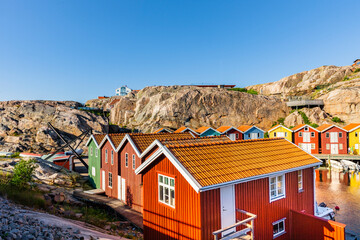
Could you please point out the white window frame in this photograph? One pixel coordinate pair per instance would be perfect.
(133, 161)
(93, 171)
(283, 231)
(286, 134)
(341, 146)
(312, 134)
(300, 180)
(300, 134)
(110, 178)
(306, 128)
(277, 196)
(112, 157)
(161, 197)
(312, 146)
(328, 146)
(91, 151)
(126, 159)
(106, 156)
(96, 152)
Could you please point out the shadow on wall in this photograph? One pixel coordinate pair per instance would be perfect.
(129, 197)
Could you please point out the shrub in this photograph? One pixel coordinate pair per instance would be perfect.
(346, 78)
(291, 127)
(314, 125)
(250, 91)
(337, 120)
(304, 117)
(22, 173)
(319, 87)
(357, 70)
(266, 135)
(281, 121)
(15, 155)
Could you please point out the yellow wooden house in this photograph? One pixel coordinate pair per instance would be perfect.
(280, 131)
(353, 137)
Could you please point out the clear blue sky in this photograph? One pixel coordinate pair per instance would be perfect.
(78, 50)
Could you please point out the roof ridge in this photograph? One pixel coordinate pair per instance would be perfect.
(220, 143)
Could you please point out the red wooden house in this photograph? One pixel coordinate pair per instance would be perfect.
(307, 137)
(333, 139)
(231, 132)
(196, 191)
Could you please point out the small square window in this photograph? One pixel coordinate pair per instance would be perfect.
(300, 134)
(327, 146)
(106, 156)
(126, 159)
(341, 146)
(306, 128)
(277, 187)
(340, 134)
(133, 161)
(356, 134)
(274, 134)
(327, 135)
(285, 134)
(278, 227)
(300, 180)
(312, 134)
(112, 157)
(313, 146)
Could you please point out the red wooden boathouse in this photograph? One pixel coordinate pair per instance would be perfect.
(194, 191)
(307, 137)
(333, 139)
(231, 132)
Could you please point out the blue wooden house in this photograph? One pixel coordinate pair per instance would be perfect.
(251, 132)
(207, 131)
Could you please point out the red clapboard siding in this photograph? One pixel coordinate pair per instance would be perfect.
(210, 213)
(240, 135)
(165, 222)
(108, 167)
(304, 226)
(325, 140)
(316, 139)
(254, 197)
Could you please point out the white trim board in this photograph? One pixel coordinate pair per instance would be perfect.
(306, 125)
(272, 129)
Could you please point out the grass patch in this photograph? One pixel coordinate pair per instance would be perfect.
(15, 155)
(337, 120)
(250, 91)
(356, 70)
(304, 117)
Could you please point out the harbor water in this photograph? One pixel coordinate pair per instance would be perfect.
(338, 188)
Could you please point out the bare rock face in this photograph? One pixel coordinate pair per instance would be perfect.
(176, 106)
(305, 82)
(315, 115)
(24, 126)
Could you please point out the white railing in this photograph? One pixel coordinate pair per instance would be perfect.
(248, 223)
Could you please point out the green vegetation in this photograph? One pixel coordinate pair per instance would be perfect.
(304, 117)
(250, 91)
(22, 174)
(266, 135)
(279, 121)
(337, 120)
(314, 125)
(291, 127)
(346, 78)
(356, 70)
(322, 86)
(15, 155)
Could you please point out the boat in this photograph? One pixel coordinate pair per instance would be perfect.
(336, 165)
(29, 155)
(322, 211)
(78, 151)
(349, 165)
(5, 154)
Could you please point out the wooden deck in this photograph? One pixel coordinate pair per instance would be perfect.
(338, 157)
(133, 216)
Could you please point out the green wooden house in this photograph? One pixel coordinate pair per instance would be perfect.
(94, 158)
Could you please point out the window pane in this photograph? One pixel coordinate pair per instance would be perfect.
(172, 182)
(172, 197)
(273, 193)
(279, 178)
(281, 226)
(272, 187)
(166, 180)
(275, 228)
(272, 180)
(166, 195)
(160, 178)
(161, 194)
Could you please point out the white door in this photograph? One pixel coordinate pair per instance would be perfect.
(253, 135)
(119, 187)
(123, 189)
(334, 137)
(232, 136)
(227, 201)
(306, 137)
(280, 134)
(103, 179)
(306, 147)
(334, 149)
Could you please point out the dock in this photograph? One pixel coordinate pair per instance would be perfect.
(338, 157)
(305, 103)
(131, 215)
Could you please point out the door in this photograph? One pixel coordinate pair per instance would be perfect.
(306, 137)
(103, 179)
(253, 135)
(227, 201)
(119, 187)
(232, 136)
(334, 137)
(123, 189)
(334, 149)
(306, 147)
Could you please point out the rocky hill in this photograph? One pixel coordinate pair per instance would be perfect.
(176, 106)
(24, 126)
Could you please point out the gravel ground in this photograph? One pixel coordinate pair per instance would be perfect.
(17, 223)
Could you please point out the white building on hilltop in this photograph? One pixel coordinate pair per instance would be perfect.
(122, 91)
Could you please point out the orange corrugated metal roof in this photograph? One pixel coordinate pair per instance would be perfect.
(298, 127)
(193, 140)
(244, 128)
(143, 140)
(99, 137)
(159, 130)
(324, 126)
(215, 163)
(116, 138)
(223, 128)
(180, 130)
(351, 126)
(202, 129)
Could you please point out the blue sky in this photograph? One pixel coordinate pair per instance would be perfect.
(78, 50)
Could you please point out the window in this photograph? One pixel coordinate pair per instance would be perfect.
(278, 228)
(93, 171)
(277, 187)
(327, 146)
(249, 135)
(327, 135)
(110, 179)
(237, 136)
(166, 190)
(274, 134)
(285, 134)
(300, 134)
(91, 151)
(300, 180)
(313, 146)
(133, 162)
(341, 146)
(258, 135)
(106, 156)
(112, 157)
(126, 159)
(340, 134)
(356, 134)
(306, 128)
(300, 145)
(96, 152)
(312, 134)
